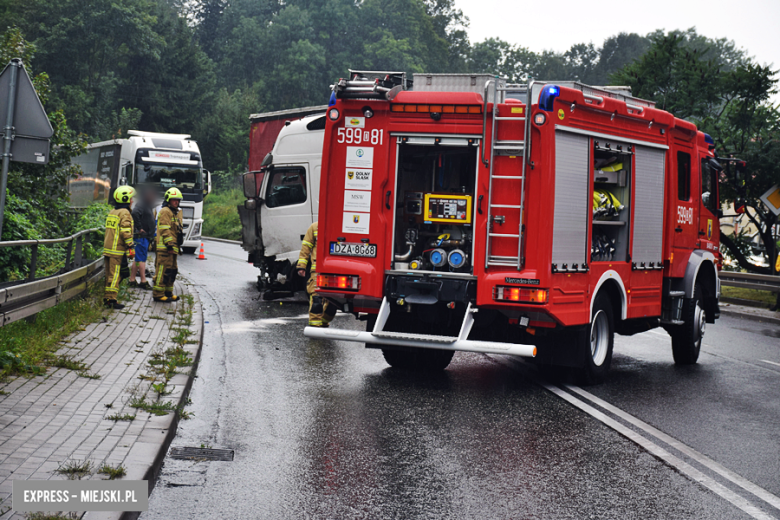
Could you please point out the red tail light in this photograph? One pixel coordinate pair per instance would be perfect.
(520, 294)
(337, 281)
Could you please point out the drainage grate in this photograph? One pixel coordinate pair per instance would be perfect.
(186, 453)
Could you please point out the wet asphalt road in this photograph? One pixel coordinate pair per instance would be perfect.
(327, 430)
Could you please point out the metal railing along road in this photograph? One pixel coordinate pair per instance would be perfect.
(761, 282)
(23, 299)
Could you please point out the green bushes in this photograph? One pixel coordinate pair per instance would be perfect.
(220, 215)
(25, 220)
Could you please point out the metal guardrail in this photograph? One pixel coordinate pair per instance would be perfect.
(21, 300)
(761, 282)
(73, 256)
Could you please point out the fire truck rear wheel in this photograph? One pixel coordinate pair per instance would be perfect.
(597, 341)
(422, 359)
(687, 338)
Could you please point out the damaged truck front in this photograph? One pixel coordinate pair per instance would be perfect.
(281, 191)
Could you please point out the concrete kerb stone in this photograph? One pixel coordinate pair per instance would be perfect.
(750, 313)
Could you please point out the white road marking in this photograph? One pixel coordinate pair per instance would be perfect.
(672, 460)
(702, 459)
(771, 362)
(696, 475)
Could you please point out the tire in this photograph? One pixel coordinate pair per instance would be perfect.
(687, 338)
(418, 359)
(188, 250)
(595, 342)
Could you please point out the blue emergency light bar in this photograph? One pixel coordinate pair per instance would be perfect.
(547, 97)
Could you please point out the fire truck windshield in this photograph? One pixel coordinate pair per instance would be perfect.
(164, 176)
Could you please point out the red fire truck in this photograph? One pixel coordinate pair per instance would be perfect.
(531, 220)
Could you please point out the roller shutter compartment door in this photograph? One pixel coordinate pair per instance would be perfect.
(572, 197)
(649, 206)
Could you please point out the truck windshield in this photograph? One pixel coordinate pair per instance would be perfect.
(169, 175)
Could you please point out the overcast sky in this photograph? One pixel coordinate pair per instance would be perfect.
(754, 25)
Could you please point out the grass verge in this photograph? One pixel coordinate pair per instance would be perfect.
(27, 348)
(764, 297)
(220, 215)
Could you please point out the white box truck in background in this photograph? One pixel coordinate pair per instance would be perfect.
(146, 160)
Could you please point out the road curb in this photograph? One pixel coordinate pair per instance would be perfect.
(149, 457)
(750, 313)
(153, 471)
(225, 240)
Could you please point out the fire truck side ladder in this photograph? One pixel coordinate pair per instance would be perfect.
(505, 147)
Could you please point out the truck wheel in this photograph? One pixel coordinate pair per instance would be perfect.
(596, 342)
(188, 250)
(419, 359)
(687, 338)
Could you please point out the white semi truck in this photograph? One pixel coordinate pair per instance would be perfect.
(282, 194)
(146, 160)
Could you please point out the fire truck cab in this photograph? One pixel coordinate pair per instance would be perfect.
(531, 220)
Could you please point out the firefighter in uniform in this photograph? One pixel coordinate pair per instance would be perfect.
(321, 312)
(118, 243)
(169, 238)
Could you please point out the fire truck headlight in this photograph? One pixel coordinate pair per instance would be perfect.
(540, 119)
(333, 114)
(368, 112)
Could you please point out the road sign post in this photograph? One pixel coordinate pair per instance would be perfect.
(8, 137)
(27, 129)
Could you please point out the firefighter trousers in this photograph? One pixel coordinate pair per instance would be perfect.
(166, 267)
(321, 311)
(113, 265)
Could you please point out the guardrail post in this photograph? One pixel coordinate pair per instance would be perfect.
(77, 254)
(33, 262)
(68, 255)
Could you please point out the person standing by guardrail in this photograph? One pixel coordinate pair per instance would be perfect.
(144, 221)
(169, 238)
(118, 244)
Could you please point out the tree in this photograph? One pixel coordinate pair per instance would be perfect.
(37, 195)
(720, 89)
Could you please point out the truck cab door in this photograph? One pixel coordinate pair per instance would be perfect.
(709, 223)
(286, 212)
(684, 219)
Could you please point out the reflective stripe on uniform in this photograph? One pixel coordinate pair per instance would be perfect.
(308, 243)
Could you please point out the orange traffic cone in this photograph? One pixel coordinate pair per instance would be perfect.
(201, 256)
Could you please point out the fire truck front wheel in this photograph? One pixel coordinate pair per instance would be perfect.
(686, 338)
(422, 359)
(596, 342)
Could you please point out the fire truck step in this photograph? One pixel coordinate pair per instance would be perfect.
(510, 206)
(502, 264)
(499, 258)
(503, 235)
(418, 337)
(508, 177)
(509, 118)
(676, 294)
